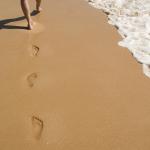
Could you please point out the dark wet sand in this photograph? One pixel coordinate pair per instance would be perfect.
(67, 85)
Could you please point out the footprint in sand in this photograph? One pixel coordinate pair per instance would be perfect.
(35, 50)
(37, 127)
(31, 79)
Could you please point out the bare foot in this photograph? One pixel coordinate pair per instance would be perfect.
(30, 25)
(39, 9)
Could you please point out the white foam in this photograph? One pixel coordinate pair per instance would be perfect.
(146, 70)
(132, 17)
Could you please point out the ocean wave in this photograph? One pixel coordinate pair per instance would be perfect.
(132, 19)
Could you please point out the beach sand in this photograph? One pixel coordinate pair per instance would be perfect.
(67, 85)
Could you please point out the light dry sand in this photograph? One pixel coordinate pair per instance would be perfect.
(67, 85)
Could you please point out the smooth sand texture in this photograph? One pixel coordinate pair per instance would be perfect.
(67, 85)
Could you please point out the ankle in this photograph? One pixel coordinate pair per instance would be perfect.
(38, 8)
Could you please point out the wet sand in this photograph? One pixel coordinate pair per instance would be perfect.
(67, 85)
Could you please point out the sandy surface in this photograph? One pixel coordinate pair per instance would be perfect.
(67, 85)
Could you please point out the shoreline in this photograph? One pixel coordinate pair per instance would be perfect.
(132, 23)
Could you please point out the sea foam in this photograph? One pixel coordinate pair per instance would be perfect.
(132, 19)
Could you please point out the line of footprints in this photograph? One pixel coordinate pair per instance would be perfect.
(31, 78)
(37, 123)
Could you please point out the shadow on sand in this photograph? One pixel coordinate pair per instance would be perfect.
(4, 23)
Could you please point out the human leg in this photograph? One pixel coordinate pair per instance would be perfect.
(26, 10)
(38, 4)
